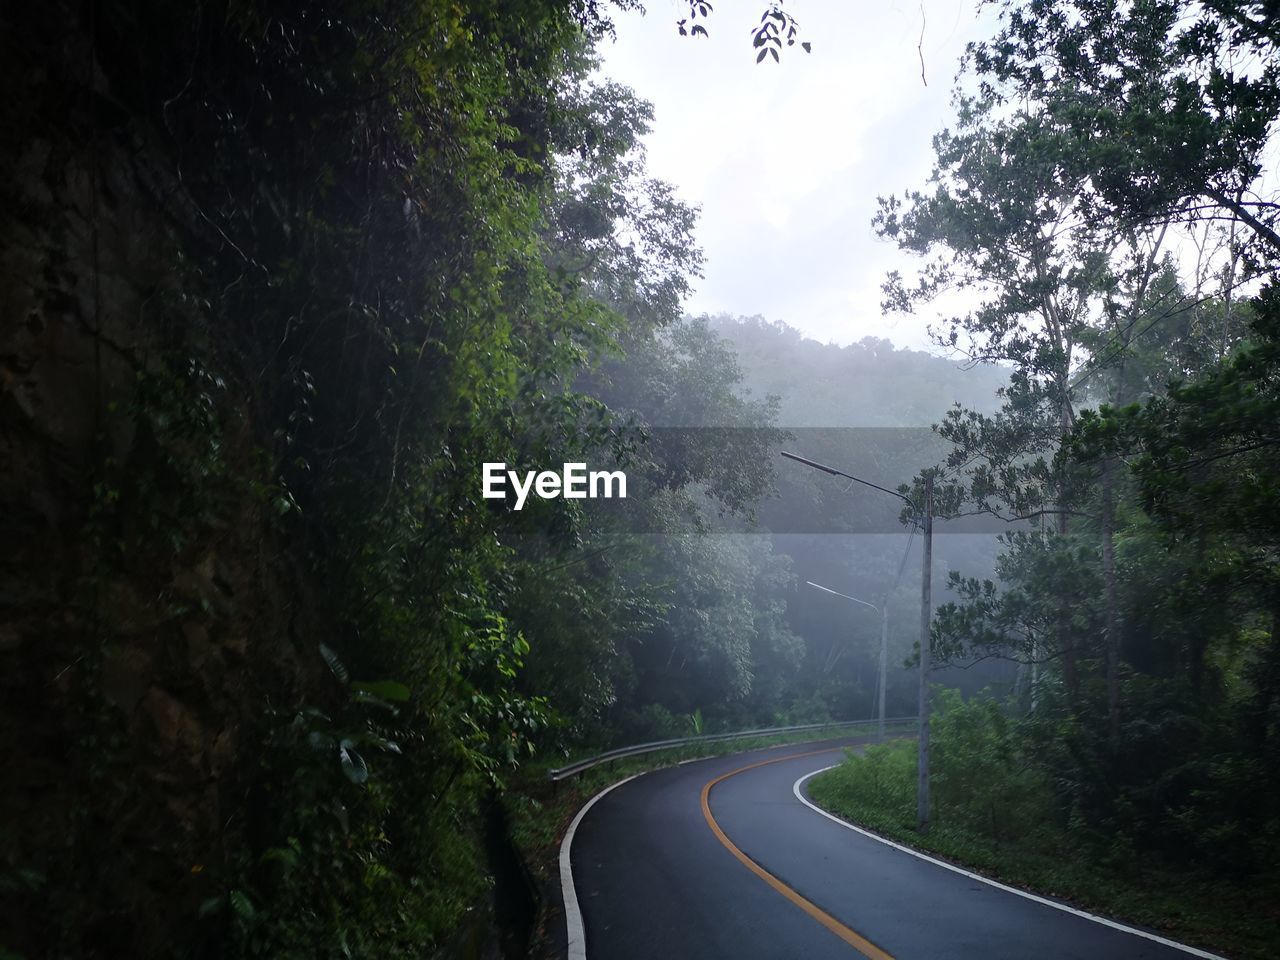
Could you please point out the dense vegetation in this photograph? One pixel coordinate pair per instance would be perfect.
(1137, 434)
(995, 809)
(340, 254)
(280, 277)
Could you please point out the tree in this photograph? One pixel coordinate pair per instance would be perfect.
(1158, 127)
(1169, 104)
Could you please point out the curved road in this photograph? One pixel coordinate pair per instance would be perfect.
(720, 858)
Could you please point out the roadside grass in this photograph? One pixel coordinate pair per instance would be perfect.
(1238, 919)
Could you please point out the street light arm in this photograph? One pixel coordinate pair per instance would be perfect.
(924, 519)
(848, 476)
(839, 594)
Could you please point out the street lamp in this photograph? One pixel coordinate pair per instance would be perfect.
(925, 518)
(883, 610)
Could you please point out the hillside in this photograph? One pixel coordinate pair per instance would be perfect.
(870, 383)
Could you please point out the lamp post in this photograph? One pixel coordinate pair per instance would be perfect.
(883, 610)
(924, 516)
(926, 612)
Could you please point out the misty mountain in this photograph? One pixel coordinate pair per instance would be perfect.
(870, 383)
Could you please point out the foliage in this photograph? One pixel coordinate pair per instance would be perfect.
(1155, 97)
(776, 25)
(382, 209)
(1137, 427)
(984, 783)
(999, 808)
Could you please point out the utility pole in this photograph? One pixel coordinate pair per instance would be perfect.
(883, 677)
(884, 657)
(884, 629)
(924, 514)
(926, 611)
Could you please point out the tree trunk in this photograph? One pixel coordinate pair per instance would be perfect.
(1109, 589)
(1066, 636)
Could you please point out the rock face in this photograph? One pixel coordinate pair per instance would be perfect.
(138, 606)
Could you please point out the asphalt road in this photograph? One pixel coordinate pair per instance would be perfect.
(654, 881)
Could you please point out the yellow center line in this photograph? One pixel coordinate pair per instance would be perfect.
(847, 934)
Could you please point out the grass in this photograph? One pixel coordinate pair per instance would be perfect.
(1236, 919)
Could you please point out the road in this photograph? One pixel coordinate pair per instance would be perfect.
(720, 858)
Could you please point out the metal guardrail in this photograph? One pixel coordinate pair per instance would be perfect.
(573, 769)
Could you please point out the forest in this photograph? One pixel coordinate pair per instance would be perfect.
(276, 679)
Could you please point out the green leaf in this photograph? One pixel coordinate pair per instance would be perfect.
(361, 697)
(336, 665)
(353, 764)
(242, 905)
(382, 743)
(383, 689)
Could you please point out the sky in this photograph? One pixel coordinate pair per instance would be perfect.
(786, 159)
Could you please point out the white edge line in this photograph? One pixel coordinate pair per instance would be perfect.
(576, 933)
(987, 880)
(572, 912)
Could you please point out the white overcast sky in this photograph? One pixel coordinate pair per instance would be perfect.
(786, 160)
